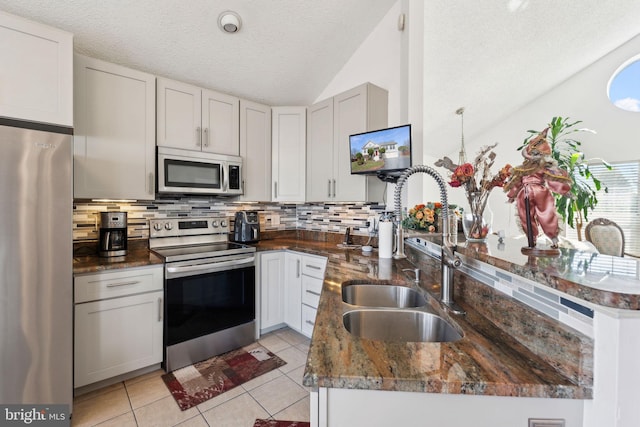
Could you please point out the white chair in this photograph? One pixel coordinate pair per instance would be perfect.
(607, 237)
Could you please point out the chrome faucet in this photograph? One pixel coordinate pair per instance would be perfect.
(449, 260)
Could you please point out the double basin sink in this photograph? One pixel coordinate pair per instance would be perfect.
(386, 312)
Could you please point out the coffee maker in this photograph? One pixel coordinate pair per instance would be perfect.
(113, 234)
(246, 227)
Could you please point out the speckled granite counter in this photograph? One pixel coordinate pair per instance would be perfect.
(86, 260)
(486, 361)
(603, 280)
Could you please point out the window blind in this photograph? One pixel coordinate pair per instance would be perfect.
(620, 204)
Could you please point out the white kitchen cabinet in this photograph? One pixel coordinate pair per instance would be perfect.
(288, 154)
(36, 76)
(114, 137)
(313, 270)
(293, 290)
(118, 323)
(272, 288)
(255, 150)
(290, 284)
(193, 118)
(320, 178)
(330, 123)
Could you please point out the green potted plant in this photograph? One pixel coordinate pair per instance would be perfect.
(566, 151)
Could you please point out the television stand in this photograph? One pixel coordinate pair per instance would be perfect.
(391, 177)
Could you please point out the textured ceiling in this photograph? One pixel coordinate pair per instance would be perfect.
(286, 52)
(492, 57)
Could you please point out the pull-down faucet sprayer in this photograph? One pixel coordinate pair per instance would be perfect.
(449, 260)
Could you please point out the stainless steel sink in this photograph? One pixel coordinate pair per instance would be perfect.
(399, 326)
(382, 296)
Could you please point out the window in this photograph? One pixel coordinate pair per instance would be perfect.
(620, 204)
(624, 86)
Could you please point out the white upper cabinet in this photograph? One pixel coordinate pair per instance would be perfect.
(330, 123)
(36, 75)
(114, 141)
(288, 153)
(193, 118)
(255, 149)
(321, 181)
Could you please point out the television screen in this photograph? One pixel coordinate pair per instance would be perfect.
(381, 151)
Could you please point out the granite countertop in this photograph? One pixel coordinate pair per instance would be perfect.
(486, 361)
(603, 280)
(86, 260)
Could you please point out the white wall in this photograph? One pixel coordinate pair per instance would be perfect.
(582, 97)
(392, 59)
(396, 61)
(378, 61)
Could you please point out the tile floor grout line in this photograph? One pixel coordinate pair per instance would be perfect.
(259, 404)
(289, 345)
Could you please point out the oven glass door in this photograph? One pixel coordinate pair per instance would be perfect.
(206, 303)
(192, 174)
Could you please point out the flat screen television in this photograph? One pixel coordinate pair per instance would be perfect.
(381, 152)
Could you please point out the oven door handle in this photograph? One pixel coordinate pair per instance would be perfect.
(210, 265)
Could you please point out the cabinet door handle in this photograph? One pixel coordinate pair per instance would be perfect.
(151, 182)
(329, 188)
(334, 188)
(298, 268)
(206, 137)
(313, 293)
(198, 137)
(309, 322)
(160, 309)
(275, 190)
(315, 267)
(115, 285)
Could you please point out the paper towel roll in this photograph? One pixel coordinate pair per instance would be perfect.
(385, 239)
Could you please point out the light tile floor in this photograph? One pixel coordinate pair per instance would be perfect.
(146, 401)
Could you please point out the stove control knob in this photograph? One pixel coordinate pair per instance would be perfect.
(214, 223)
(157, 226)
(168, 226)
(223, 223)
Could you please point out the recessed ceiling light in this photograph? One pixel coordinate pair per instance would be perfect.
(229, 22)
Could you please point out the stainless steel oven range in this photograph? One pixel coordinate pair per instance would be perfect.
(209, 288)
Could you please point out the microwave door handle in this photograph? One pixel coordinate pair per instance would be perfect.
(224, 178)
(207, 266)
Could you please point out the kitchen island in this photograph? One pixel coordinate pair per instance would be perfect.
(513, 363)
(538, 340)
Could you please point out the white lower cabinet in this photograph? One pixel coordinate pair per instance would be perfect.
(365, 408)
(313, 269)
(118, 323)
(290, 286)
(270, 273)
(292, 294)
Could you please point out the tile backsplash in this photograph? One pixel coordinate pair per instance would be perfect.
(332, 218)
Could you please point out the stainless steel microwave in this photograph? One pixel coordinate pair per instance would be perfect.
(196, 172)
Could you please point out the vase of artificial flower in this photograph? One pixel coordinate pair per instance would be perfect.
(477, 220)
(477, 181)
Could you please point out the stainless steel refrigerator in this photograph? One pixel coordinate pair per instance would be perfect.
(36, 302)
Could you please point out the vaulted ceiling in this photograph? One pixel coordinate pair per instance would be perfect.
(490, 56)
